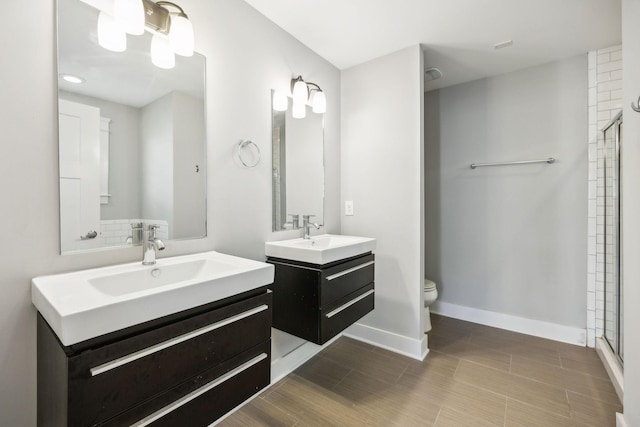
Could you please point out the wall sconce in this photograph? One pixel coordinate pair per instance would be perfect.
(301, 92)
(172, 31)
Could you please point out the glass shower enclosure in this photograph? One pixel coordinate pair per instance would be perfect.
(609, 224)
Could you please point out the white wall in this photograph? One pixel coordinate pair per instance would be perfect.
(605, 101)
(382, 174)
(156, 160)
(247, 56)
(188, 151)
(630, 161)
(510, 239)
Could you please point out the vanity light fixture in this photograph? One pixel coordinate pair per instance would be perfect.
(180, 30)
(299, 110)
(280, 101)
(172, 31)
(111, 34)
(162, 55)
(299, 90)
(130, 14)
(302, 92)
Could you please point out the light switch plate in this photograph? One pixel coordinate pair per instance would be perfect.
(348, 207)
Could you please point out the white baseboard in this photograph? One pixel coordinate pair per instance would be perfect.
(288, 363)
(410, 347)
(620, 422)
(612, 367)
(538, 328)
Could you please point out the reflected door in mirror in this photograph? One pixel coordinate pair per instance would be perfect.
(79, 127)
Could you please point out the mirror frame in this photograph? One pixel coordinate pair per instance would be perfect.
(205, 132)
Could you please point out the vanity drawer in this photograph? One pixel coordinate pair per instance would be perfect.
(346, 278)
(345, 312)
(105, 381)
(203, 399)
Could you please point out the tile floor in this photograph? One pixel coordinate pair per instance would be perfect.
(474, 375)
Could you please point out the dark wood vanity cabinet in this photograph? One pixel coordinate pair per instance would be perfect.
(317, 302)
(187, 369)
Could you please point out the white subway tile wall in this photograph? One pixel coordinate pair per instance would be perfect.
(114, 232)
(605, 101)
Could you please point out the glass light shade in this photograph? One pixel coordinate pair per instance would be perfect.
(300, 93)
(162, 55)
(319, 102)
(280, 101)
(299, 110)
(181, 35)
(111, 35)
(130, 14)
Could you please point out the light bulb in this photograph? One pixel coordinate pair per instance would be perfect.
(299, 110)
(319, 102)
(280, 101)
(111, 35)
(181, 35)
(162, 55)
(130, 14)
(300, 93)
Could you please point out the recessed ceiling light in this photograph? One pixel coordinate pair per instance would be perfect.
(71, 78)
(503, 44)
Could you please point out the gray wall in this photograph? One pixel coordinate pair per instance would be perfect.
(382, 175)
(510, 239)
(247, 56)
(630, 162)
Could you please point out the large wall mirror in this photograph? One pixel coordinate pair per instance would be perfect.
(131, 138)
(297, 168)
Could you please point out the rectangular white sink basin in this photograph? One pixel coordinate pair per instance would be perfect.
(89, 303)
(321, 249)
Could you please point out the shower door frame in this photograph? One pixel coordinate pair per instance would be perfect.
(617, 347)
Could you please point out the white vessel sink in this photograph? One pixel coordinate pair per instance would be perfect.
(321, 249)
(89, 303)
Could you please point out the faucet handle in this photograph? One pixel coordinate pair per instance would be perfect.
(307, 217)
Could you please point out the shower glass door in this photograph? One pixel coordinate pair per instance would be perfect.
(613, 326)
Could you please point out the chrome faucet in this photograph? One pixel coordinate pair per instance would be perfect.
(295, 221)
(135, 238)
(150, 243)
(306, 224)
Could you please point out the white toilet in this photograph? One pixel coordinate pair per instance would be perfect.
(430, 295)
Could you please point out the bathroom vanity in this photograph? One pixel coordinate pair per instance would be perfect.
(188, 367)
(322, 285)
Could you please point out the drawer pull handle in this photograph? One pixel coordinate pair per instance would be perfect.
(350, 270)
(194, 394)
(348, 304)
(105, 367)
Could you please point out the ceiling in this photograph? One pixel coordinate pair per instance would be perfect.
(457, 36)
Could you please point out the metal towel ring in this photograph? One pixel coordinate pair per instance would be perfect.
(636, 107)
(248, 153)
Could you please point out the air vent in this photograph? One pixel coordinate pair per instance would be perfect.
(432, 73)
(502, 45)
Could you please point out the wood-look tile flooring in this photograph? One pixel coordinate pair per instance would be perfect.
(474, 375)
